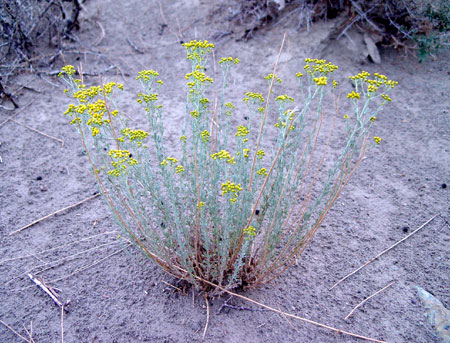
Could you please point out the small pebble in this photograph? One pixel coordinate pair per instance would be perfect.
(39, 178)
(405, 229)
(444, 186)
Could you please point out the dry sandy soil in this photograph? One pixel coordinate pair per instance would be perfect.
(116, 296)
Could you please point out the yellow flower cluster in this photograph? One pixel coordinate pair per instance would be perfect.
(272, 76)
(223, 155)
(250, 232)
(231, 187)
(183, 138)
(319, 67)
(135, 135)
(196, 50)
(200, 204)
(253, 96)
(107, 89)
(361, 76)
(204, 101)
(230, 107)
(386, 97)
(353, 95)
(96, 112)
(205, 136)
(195, 114)
(199, 76)
(320, 81)
(262, 172)
(377, 139)
(121, 158)
(193, 44)
(378, 81)
(372, 88)
(84, 93)
(147, 97)
(260, 153)
(335, 83)
(172, 161)
(299, 74)
(229, 60)
(284, 98)
(246, 151)
(68, 69)
(242, 131)
(147, 75)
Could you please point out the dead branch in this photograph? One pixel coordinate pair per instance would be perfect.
(384, 251)
(366, 299)
(46, 290)
(54, 213)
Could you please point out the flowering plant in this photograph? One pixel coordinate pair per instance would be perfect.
(234, 208)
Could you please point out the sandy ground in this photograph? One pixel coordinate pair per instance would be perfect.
(116, 296)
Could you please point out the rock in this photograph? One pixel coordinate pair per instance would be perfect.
(372, 49)
(437, 314)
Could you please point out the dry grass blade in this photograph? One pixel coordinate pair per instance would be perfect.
(62, 324)
(15, 332)
(58, 247)
(383, 252)
(207, 316)
(52, 214)
(285, 313)
(46, 290)
(364, 301)
(37, 131)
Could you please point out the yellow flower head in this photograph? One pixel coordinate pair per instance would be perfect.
(353, 95)
(242, 131)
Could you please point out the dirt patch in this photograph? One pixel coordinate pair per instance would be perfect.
(116, 296)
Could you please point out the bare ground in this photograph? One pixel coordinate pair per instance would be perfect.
(116, 296)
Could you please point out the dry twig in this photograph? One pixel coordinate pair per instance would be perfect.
(62, 324)
(58, 247)
(207, 316)
(37, 131)
(384, 251)
(54, 213)
(46, 290)
(15, 332)
(366, 299)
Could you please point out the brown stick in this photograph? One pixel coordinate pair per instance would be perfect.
(207, 316)
(174, 287)
(290, 315)
(266, 108)
(97, 42)
(58, 247)
(62, 324)
(363, 302)
(384, 251)
(46, 290)
(40, 132)
(52, 214)
(14, 331)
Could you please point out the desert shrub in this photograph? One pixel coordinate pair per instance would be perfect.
(234, 208)
(26, 25)
(417, 24)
